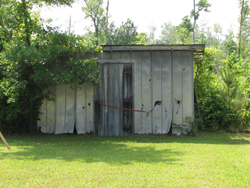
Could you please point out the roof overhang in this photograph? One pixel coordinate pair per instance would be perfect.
(198, 49)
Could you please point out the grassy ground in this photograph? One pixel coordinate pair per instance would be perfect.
(208, 160)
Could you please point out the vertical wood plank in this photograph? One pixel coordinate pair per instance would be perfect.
(125, 55)
(166, 78)
(156, 91)
(81, 127)
(130, 97)
(146, 92)
(117, 100)
(116, 94)
(70, 110)
(60, 108)
(137, 56)
(110, 118)
(115, 55)
(103, 123)
(89, 107)
(51, 110)
(102, 92)
(177, 91)
(188, 98)
(106, 55)
(105, 101)
(121, 112)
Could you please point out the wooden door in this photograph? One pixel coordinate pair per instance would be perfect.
(115, 90)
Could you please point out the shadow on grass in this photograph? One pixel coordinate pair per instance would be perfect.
(112, 150)
(88, 149)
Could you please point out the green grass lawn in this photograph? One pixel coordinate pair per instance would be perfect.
(208, 160)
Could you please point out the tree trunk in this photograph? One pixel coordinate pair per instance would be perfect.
(69, 23)
(107, 19)
(26, 18)
(194, 24)
(241, 22)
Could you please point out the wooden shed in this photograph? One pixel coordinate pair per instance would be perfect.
(143, 90)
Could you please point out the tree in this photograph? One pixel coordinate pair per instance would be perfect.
(184, 31)
(168, 34)
(244, 26)
(42, 58)
(126, 34)
(95, 11)
(151, 35)
(228, 72)
(218, 31)
(202, 5)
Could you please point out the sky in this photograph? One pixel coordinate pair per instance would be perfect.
(148, 12)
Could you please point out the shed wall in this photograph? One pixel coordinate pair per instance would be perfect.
(158, 76)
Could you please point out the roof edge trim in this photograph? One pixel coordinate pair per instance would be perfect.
(193, 47)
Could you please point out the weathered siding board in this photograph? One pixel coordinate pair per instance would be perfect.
(146, 92)
(89, 108)
(81, 110)
(187, 86)
(51, 109)
(115, 55)
(106, 55)
(121, 97)
(60, 108)
(125, 55)
(137, 56)
(117, 101)
(100, 108)
(105, 100)
(111, 98)
(166, 77)
(69, 109)
(156, 92)
(177, 89)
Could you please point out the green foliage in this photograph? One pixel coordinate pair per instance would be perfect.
(222, 88)
(126, 33)
(202, 5)
(180, 34)
(33, 58)
(186, 23)
(96, 12)
(168, 33)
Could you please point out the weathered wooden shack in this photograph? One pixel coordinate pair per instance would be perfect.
(143, 90)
